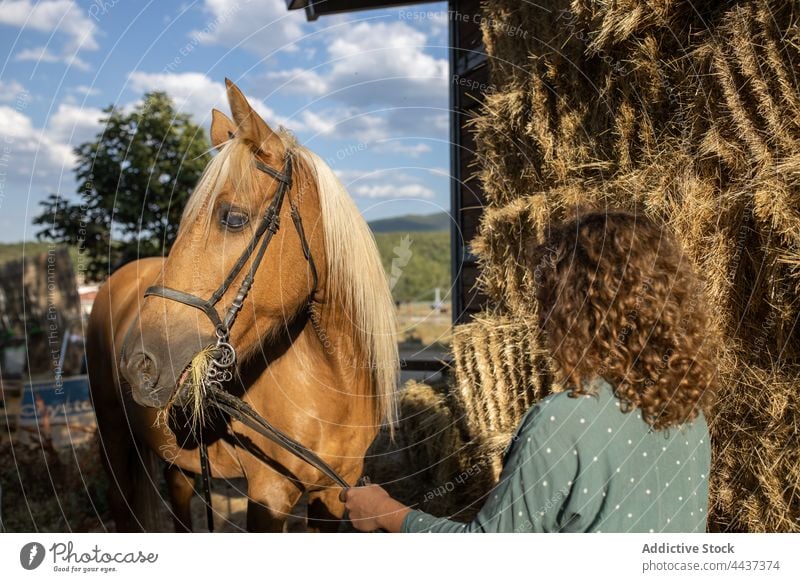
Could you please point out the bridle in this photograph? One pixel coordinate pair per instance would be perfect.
(220, 370)
(267, 228)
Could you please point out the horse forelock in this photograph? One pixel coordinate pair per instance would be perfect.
(234, 162)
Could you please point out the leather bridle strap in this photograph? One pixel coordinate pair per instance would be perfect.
(205, 478)
(239, 409)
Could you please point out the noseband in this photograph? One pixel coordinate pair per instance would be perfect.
(220, 370)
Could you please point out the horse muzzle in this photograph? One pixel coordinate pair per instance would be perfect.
(154, 374)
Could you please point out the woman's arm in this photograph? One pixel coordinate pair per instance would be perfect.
(535, 483)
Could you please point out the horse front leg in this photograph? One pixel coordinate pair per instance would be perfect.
(270, 500)
(325, 510)
(181, 490)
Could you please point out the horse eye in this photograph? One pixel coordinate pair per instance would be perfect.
(233, 219)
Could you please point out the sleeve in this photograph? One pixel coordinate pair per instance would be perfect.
(538, 474)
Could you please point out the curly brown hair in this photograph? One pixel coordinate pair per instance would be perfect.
(619, 299)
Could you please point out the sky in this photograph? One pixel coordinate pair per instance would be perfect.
(367, 91)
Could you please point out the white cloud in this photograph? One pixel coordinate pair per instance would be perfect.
(392, 191)
(349, 176)
(262, 27)
(373, 63)
(34, 165)
(43, 55)
(381, 128)
(10, 90)
(317, 123)
(411, 150)
(389, 184)
(379, 82)
(32, 153)
(196, 94)
(438, 23)
(298, 81)
(63, 17)
(74, 125)
(347, 122)
(86, 90)
(37, 161)
(390, 59)
(365, 127)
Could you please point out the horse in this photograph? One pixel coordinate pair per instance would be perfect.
(313, 333)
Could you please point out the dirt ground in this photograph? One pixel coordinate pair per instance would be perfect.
(419, 325)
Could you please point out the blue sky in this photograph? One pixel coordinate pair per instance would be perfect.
(366, 91)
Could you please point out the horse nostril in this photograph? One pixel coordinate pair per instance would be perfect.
(144, 366)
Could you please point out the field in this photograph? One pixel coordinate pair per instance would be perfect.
(419, 325)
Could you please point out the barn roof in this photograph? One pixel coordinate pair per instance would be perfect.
(316, 8)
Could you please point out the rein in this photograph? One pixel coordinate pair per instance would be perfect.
(220, 370)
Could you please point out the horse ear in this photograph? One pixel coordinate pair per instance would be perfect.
(249, 124)
(222, 128)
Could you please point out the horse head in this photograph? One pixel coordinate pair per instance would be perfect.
(241, 268)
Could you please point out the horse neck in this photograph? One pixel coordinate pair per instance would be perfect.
(320, 366)
(333, 336)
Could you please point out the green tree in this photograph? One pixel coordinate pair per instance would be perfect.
(416, 263)
(133, 179)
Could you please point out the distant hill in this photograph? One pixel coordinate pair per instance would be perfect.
(413, 223)
(415, 251)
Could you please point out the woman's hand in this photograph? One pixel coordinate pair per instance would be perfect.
(371, 508)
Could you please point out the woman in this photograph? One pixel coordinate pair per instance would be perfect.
(625, 447)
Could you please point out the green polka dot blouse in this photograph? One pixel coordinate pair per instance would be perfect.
(583, 465)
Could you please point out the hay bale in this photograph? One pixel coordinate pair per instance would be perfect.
(568, 108)
(755, 429)
(616, 24)
(430, 465)
(505, 235)
(502, 369)
(690, 113)
(746, 112)
(598, 89)
(750, 279)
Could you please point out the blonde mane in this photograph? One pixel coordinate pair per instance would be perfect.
(356, 279)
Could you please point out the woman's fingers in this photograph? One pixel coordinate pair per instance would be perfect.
(364, 505)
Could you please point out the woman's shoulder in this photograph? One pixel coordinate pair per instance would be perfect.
(602, 393)
(561, 409)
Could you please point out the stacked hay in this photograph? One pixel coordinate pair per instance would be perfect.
(690, 113)
(502, 369)
(505, 358)
(755, 481)
(429, 465)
